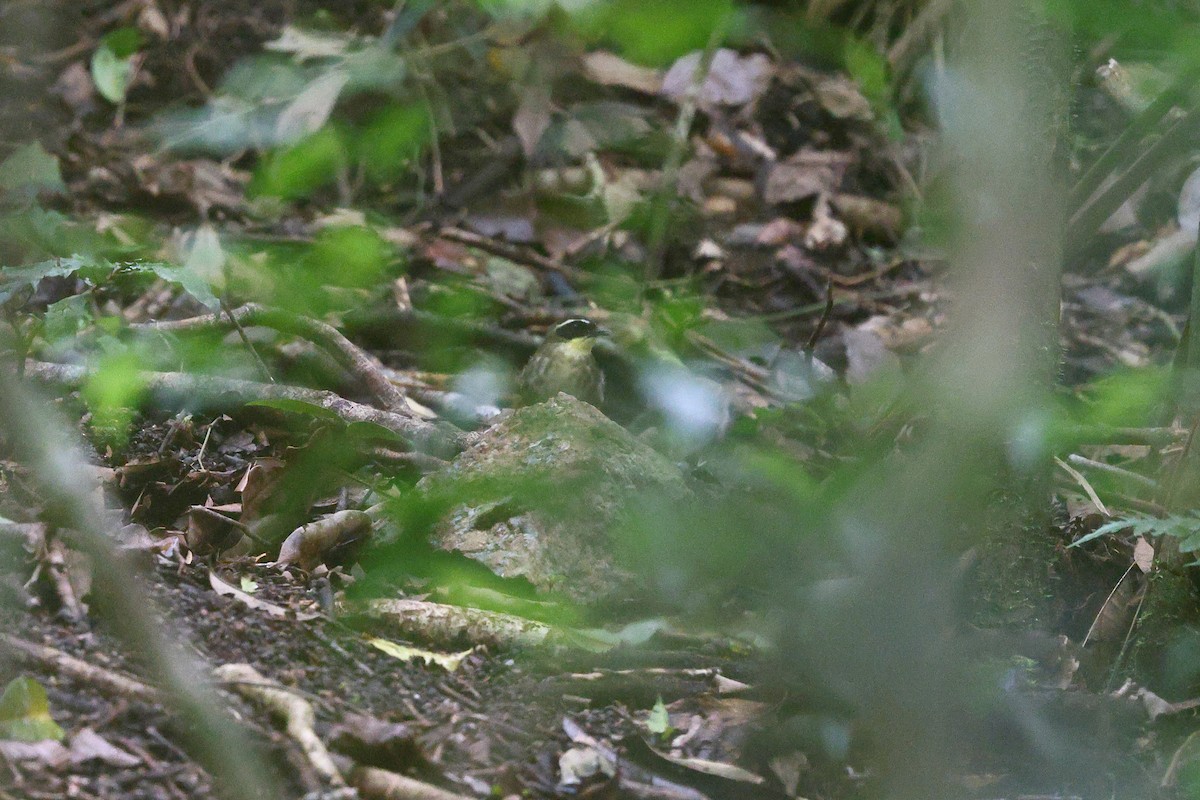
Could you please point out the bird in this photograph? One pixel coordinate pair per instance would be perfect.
(564, 363)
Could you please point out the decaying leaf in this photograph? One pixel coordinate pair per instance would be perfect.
(370, 740)
(580, 764)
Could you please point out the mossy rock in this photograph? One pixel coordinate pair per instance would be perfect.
(537, 495)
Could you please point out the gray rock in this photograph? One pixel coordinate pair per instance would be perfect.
(540, 492)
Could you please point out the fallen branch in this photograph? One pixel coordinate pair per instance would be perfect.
(443, 623)
(381, 784)
(217, 392)
(58, 663)
(347, 354)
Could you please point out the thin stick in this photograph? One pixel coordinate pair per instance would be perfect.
(241, 332)
(1100, 466)
(1087, 487)
(816, 334)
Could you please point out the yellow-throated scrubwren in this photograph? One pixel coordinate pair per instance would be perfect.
(564, 363)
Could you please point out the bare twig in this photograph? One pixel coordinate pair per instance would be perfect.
(513, 252)
(822, 322)
(1111, 469)
(63, 665)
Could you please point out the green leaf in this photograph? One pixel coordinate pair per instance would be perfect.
(392, 139)
(1108, 527)
(298, 407)
(659, 721)
(111, 74)
(66, 318)
(188, 279)
(13, 279)
(659, 32)
(112, 392)
(30, 170)
(365, 430)
(124, 42)
(303, 168)
(25, 713)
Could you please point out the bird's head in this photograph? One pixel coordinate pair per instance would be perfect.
(580, 333)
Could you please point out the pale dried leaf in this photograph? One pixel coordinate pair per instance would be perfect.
(532, 117)
(581, 763)
(1143, 555)
(310, 110)
(608, 69)
(447, 661)
(87, 745)
(732, 80)
(840, 97)
(1188, 213)
(309, 44)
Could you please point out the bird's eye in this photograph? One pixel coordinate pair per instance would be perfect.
(575, 329)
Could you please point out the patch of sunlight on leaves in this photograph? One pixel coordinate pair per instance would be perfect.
(352, 256)
(112, 391)
(25, 713)
(301, 169)
(656, 33)
(447, 661)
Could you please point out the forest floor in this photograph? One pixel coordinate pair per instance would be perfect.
(793, 243)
